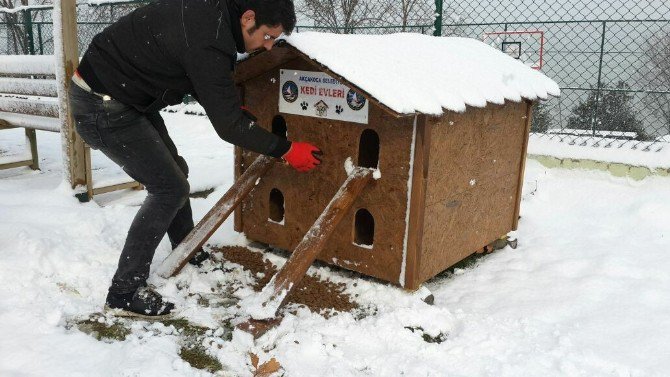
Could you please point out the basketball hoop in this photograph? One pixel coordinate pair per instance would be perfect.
(524, 45)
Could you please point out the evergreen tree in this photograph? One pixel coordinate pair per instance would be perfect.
(614, 112)
(542, 119)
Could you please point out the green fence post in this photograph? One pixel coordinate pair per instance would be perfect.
(39, 38)
(594, 117)
(438, 18)
(28, 22)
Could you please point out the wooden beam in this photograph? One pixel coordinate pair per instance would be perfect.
(119, 186)
(522, 165)
(215, 217)
(417, 203)
(15, 164)
(28, 86)
(31, 139)
(274, 294)
(238, 168)
(29, 106)
(88, 166)
(237, 214)
(67, 59)
(14, 120)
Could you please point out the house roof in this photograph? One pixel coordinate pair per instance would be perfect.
(415, 73)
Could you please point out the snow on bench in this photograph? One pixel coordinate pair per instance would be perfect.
(27, 65)
(28, 93)
(29, 121)
(30, 87)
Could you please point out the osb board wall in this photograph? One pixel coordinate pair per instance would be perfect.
(307, 194)
(473, 177)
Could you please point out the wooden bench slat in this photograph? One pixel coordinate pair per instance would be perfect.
(25, 86)
(47, 107)
(14, 164)
(22, 65)
(30, 121)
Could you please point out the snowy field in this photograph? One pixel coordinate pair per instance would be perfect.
(586, 293)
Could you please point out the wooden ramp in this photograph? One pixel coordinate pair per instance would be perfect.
(264, 306)
(215, 217)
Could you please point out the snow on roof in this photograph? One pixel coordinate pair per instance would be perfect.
(411, 72)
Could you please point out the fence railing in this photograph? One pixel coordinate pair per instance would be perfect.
(611, 62)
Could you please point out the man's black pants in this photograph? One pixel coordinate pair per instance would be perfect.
(140, 144)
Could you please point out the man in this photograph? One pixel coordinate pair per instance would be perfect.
(150, 59)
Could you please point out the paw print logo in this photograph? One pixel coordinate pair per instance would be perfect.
(304, 105)
(339, 109)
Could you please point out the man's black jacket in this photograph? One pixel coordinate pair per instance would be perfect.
(158, 53)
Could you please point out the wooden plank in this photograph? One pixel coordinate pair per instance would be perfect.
(67, 59)
(15, 164)
(31, 139)
(237, 215)
(522, 167)
(274, 294)
(29, 106)
(238, 169)
(28, 86)
(89, 171)
(13, 120)
(417, 203)
(215, 217)
(26, 65)
(119, 186)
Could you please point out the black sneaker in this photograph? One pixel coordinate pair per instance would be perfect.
(144, 303)
(199, 257)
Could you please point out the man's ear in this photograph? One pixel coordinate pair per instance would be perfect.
(248, 18)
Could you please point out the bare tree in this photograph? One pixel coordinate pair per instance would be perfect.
(14, 32)
(657, 77)
(406, 13)
(17, 40)
(380, 16)
(344, 16)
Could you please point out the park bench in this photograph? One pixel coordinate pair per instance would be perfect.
(29, 100)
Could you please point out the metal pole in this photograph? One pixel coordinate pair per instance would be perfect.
(594, 116)
(39, 38)
(28, 22)
(438, 18)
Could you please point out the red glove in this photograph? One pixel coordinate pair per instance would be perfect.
(302, 156)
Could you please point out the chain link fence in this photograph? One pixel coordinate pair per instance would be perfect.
(30, 31)
(611, 58)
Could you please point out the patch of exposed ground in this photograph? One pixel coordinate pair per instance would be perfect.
(319, 296)
(191, 336)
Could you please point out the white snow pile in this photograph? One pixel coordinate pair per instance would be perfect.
(419, 73)
(631, 152)
(585, 293)
(27, 64)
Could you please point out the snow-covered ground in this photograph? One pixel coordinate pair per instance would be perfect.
(586, 293)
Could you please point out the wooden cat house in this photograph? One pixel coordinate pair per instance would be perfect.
(444, 120)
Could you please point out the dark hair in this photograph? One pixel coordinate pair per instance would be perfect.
(273, 13)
